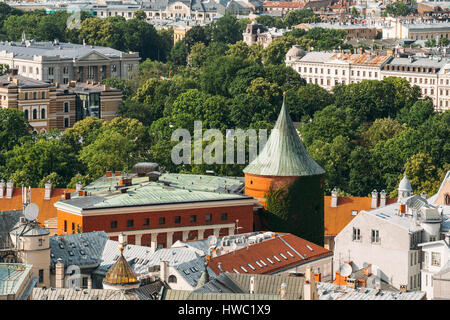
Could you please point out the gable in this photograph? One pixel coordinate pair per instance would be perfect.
(93, 56)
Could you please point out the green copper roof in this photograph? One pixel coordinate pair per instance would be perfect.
(284, 153)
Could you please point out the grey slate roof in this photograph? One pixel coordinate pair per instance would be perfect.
(82, 249)
(29, 229)
(8, 220)
(149, 291)
(80, 294)
(187, 295)
(284, 153)
(192, 271)
(23, 82)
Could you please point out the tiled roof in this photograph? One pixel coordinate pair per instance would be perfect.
(361, 59)
(269, 256)
(46, 208)
(335, 219)
(284, 153)
(80, 294)
(330, 291)
(284, 4)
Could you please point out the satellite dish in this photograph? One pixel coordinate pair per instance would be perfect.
(345, 270)
(31, 212)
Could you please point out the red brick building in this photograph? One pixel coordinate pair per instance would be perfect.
(158, 213)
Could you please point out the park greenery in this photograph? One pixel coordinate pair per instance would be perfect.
(365, 135)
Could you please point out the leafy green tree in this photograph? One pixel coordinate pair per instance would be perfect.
(226, 29)
(382, 129)
(275, 52)
(295, 17)
(13, 126)
(85, 180)
(417, 114)
(422, 173)
(398, 8)
(56, 180)
(140, 15)
(430, 43)
(83, 133)
(309, 99)
(4, 69)
(178, 54)
(196, 34)
(444, 42)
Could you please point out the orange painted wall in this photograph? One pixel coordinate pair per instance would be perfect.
(258, 186)
(70, 218)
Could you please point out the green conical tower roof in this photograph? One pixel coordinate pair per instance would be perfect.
(284, 153)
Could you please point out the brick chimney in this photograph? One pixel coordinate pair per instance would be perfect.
(108, 173)
(48, 191)
(59, 274)
(2, 188)
(66, 196)
(382, 198)
(9, 189)
(334, 198)
(374, 202)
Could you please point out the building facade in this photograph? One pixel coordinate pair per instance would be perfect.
(57, 62)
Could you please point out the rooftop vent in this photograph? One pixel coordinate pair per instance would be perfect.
(143, 168)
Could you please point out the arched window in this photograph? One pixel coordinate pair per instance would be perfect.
(172, 279)
(42, 113)
(447, 199)
(34, 114)
(26, 115)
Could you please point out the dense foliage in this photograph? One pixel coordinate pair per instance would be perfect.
(365, 135)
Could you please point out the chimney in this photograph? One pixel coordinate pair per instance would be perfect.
(368, 270)
(89, 284)
(66, 196)
(48, 191)
(283, 291)
(424, 195)
(374, 202)
(78, 186)
(9, 189)
(382, 198)
(15, 81)
(403, 288)
(252, 284)
(447, 238)
(108, 173)
(334, 198)
(402, 208)
(117, 173)
(59, 273)
(2, 188)
(163, 271)
(310, 289)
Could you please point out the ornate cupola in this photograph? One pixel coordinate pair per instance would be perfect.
(404, 189)
(121, 276)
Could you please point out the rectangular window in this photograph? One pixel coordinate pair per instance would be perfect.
(66, 122)
(114, 224)
(43, 95)
(354, 212)
(436, 259)
(73, 227)
(66, 106)
(41, 276)
(356, 234)
(50, 71)
(130, 223)
(177, 219)
(224, 216)
(208, 217)
(146, 222)
(375, 236)
(26, 95)
(193, 219)
(65, 225)
(40, 242)
(162, 220)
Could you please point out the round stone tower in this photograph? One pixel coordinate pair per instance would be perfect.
(284, 165)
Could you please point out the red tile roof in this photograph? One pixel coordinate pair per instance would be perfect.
(335, 219)
(267, 249)
(46, 208)
(284, 4)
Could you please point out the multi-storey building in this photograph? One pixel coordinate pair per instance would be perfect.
(327, 69)
(48, 106)
(390, 237)
(254, 33)
(404, 29)
(157, 213)
(63, 62)
(354, 31)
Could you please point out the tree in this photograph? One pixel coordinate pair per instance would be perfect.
(4, 69)
(226, 29)
(444, 42)
(354, 12)
(196, 34)
(56, 180)
(382, 129)
(309, 99)
(422, 173)
(275, 52)
(430, 43)
(295, 17)
(417, 114)
(13, 126)
(110, 151)
(140, 15)
(178, 54)
(83, 133)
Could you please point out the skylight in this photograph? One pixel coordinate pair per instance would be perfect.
(276, 258)
(270, 261)
(290, 254)
(252, 267)
(310, 249)
(258, 264)
(235, 270)
(245, 270)
(283, 256)
(186, 272)
(264, 264)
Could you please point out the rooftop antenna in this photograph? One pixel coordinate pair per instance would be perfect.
(237, 226)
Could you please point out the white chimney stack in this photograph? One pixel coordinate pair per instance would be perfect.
(334, 198)
(382, 198)
(2, 188)
(310, 289)
(163, 271)
(374, 202)
(283, 291)
(9, 189)
(48, 191)
(59, 274)
(78, 186)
